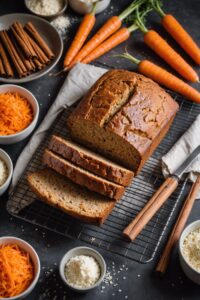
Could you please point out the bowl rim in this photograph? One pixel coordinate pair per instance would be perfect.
(103, 270)
(36, 75)
(36, 277)
(11, 168)
(180, 244)
(65, 5)
(36, 115)
(93, 1)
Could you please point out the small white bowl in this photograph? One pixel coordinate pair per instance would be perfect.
(83, 251)
(17, 137)
(34, 257)
(189, 271)
(49, 17)
(84, 7)
(6, 158)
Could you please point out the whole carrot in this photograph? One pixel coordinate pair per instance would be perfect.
(164, 50)
(165, 78)
(110, 27)
(114, 40)
(117, 38)
(83, 31)
(176, 30)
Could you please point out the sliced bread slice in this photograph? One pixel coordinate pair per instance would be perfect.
(91, 161)
(82, 177)
(73, 199)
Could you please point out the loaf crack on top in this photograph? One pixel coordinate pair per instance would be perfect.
(124, 116)
(119, 93)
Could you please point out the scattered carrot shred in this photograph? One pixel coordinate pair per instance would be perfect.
(16, 271)
(15, 113)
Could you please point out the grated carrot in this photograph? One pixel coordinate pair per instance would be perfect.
(16, 271)
(15, 113)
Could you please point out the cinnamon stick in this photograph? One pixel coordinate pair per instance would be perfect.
(5, 61)
(2, 70)
(38, 64)
(32, 64)
(21, 42)
(22, 56)
(40, 54)
(22, 34)
(37, 37)
(176, 232)
(20, 67)
(150, 209)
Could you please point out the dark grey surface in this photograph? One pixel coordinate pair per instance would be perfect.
(140, 281)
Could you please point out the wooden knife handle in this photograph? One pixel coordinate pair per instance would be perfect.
(153, 205)
(176, 232)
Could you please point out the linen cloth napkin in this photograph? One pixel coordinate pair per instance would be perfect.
(78, 82)
(181, 150)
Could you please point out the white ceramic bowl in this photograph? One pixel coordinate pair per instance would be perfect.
(189, 271)
(83, 251)
(14, 138)
(82, 7)
(35, 259)
(6, 158)
(49, 17)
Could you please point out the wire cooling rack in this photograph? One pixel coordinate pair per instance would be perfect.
(109, 235)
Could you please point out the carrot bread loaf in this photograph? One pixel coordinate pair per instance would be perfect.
(91, 161)
(124, 116)
(62, 193)
(83, 177)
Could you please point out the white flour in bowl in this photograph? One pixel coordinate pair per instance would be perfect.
(45, 7)
(82, 271)
(191, 249)
(3, 172)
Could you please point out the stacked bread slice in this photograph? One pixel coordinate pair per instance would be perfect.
(79, 181)
(76, 201)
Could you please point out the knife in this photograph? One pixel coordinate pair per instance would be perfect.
(159, 198)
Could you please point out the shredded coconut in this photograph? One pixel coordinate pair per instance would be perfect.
(3, 172)
(191, 249)
(45, 7)
(82, 271)
(62, 24)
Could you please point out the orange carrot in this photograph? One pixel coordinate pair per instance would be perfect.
(176, 30)
(165, 78)
(117, 38)
(16, 271)
(104, 32)
(110, 27)
(83, 31)
(164, 50)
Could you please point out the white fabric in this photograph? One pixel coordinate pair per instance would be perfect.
(181, 150)
(77, 83)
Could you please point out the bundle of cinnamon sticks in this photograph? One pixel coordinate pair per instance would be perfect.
(22, 51)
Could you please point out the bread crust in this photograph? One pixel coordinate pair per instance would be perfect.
(140, 122)
(90, 161)
(81, 177)
(88, 218)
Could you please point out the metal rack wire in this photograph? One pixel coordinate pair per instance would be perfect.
(109, 235)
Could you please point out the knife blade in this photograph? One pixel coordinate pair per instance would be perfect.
(183, 167)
